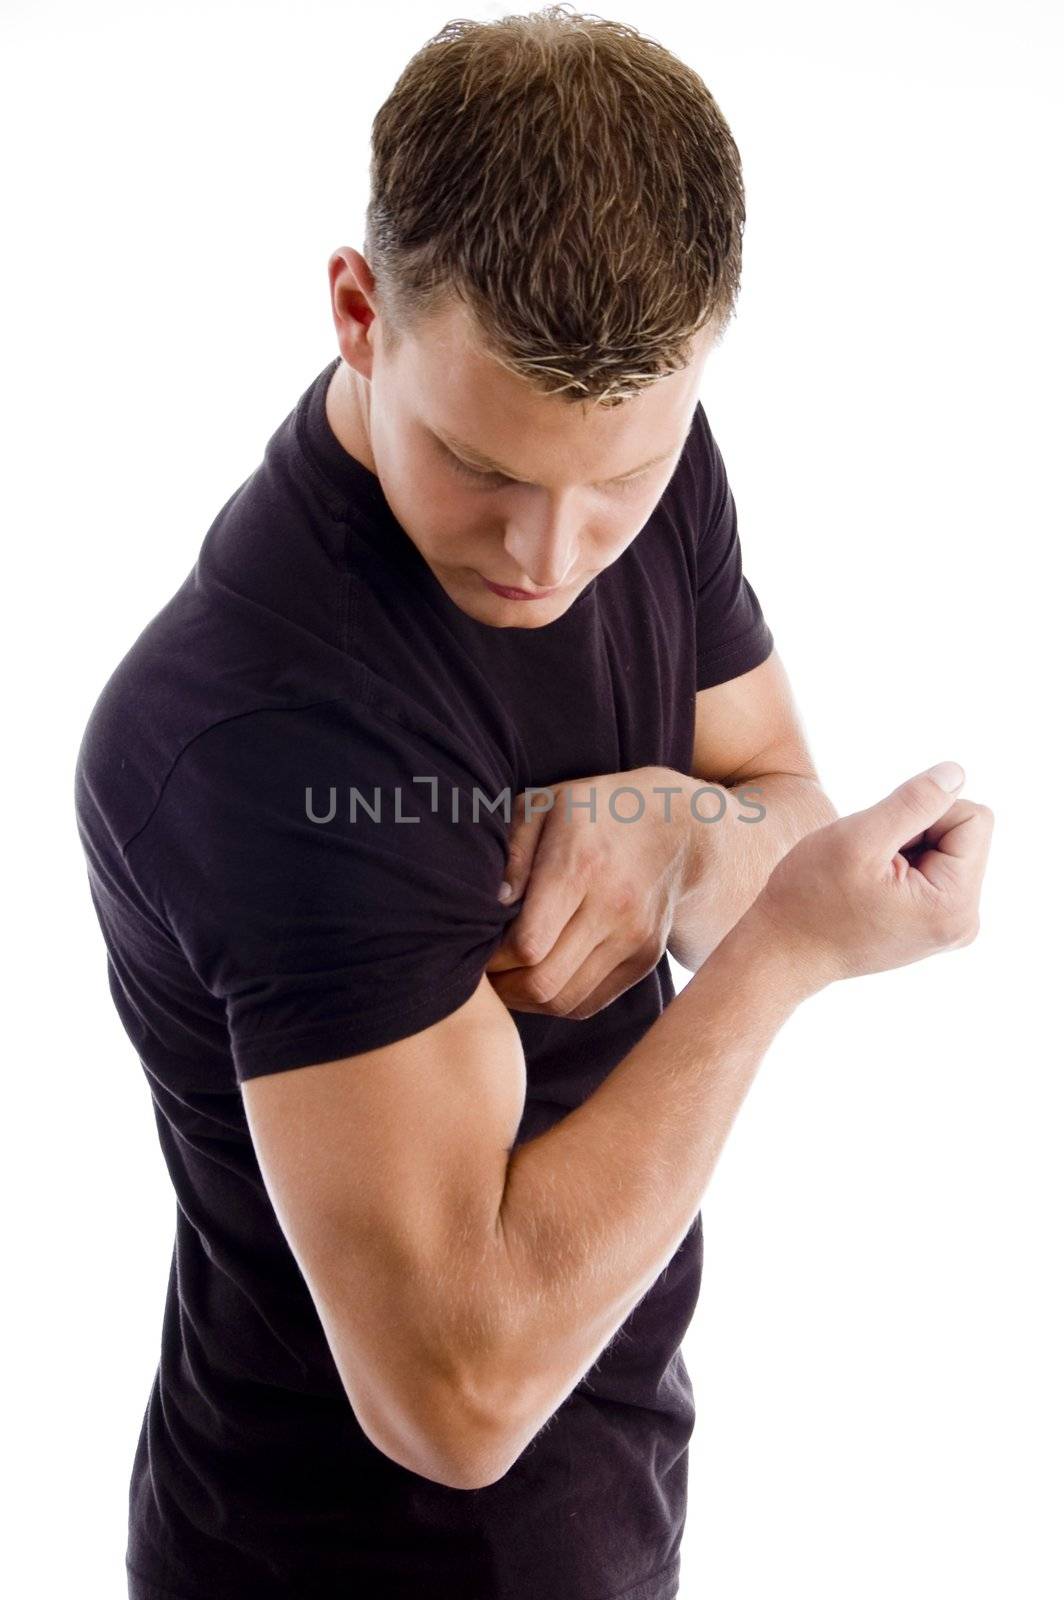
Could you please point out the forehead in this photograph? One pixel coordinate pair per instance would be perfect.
(451, 385)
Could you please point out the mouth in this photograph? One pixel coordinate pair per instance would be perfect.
(508, 592)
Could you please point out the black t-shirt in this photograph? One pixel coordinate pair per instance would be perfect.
(248, 931)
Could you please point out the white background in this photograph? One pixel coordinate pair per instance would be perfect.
(876, 1351)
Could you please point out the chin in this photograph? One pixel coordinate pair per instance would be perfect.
(500, 613)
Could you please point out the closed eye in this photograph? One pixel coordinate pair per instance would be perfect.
(495, 480)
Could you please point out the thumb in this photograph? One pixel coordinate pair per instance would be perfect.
(915, 804)
(521, 848)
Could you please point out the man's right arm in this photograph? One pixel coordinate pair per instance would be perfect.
(465, 1286)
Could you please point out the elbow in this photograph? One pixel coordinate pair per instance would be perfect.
(444, 1393)
(467, 1458)
(478, 1446)
(445, 1438)
(469, 1471)
(452, 1465)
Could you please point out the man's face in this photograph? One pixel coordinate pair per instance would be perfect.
(579, 482)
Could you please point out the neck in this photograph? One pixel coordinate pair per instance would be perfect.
(345, 402)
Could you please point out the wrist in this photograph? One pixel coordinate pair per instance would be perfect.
(697, 837)
(794, 967)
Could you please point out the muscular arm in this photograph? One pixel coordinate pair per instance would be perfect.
(466, 1286)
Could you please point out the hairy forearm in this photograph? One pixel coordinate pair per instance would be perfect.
(594, 1208)
(731, 857)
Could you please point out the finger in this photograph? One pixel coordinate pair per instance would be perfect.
(905, 813)
(564, 1003)
(504, 955)
(917, 846)
(962, 811)
(516, 1002)
(959, 853)
(929, 837)
(533, 988)
(520, 853)
(502, 959)
(609, 970)
(536, 986)
(553, 896)
(620, 979)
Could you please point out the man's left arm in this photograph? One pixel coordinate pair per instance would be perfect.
(750, 744)
(601, 900)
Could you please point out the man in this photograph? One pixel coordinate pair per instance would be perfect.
(438, 1151)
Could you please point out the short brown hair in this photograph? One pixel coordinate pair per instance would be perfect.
(569, 180)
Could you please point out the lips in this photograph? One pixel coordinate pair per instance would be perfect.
(512, 592)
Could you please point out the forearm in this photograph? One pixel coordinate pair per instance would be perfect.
(732, 856)
(594, 1208)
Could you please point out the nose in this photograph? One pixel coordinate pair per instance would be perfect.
(543, 549)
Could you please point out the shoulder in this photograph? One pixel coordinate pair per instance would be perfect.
(387, 751)
(331, 802)
(210, 695)
(326, 869)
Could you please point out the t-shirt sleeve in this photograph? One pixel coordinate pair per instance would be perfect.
(330, 874)
(732, 636)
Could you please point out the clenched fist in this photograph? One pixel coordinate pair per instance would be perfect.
(883, 887)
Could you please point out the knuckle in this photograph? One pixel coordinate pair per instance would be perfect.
(622, 901)
(539, 987)
(528, 948)
(587, 863)
(942, 926)
(647, 942)
(961, 932)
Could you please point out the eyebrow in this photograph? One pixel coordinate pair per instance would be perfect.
(480, 460)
